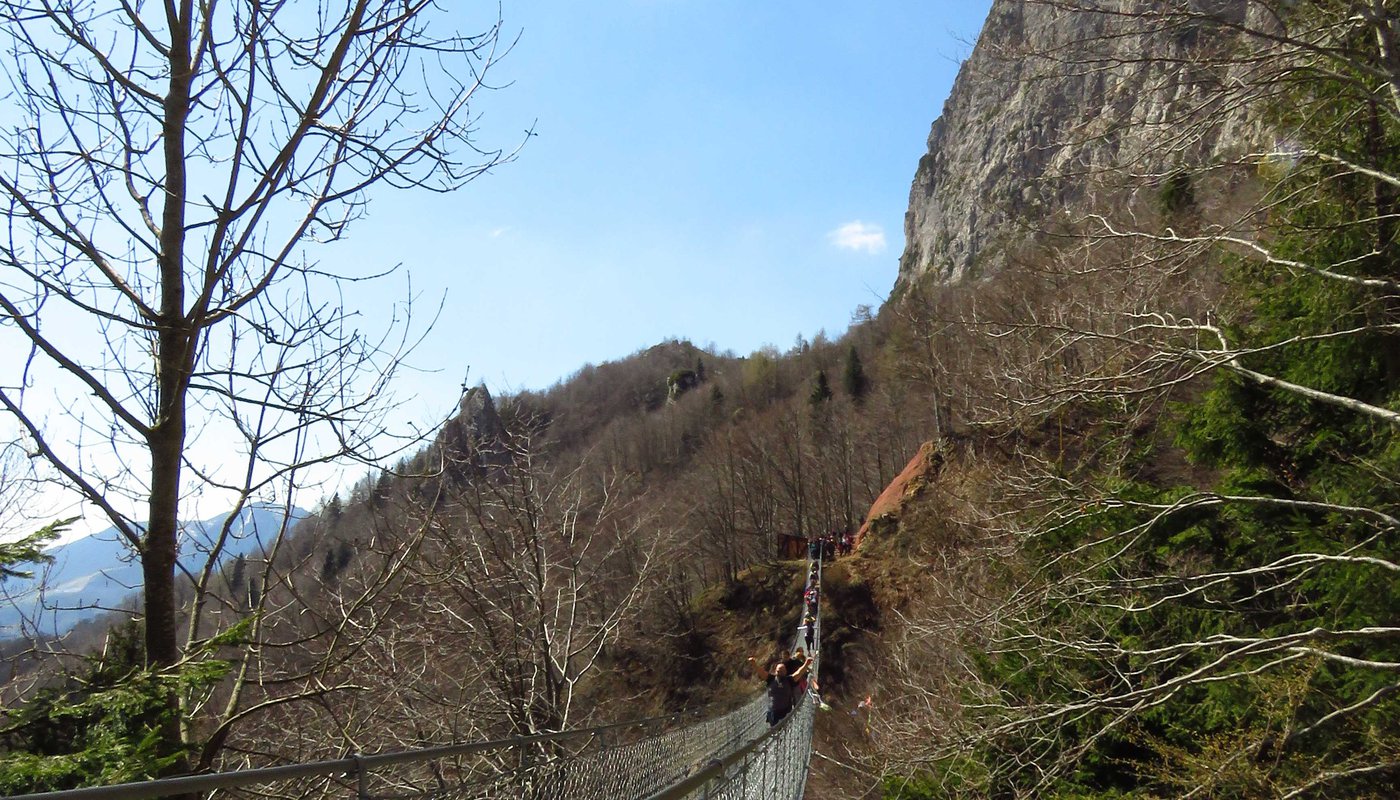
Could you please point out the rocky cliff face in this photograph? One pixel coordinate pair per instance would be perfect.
(1056, 98)
(472, 440)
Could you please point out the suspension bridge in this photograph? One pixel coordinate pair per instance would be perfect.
(687, 756)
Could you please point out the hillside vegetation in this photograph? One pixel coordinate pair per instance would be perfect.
(1145, 548)
(1162, 559)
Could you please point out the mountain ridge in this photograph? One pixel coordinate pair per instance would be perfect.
(96, 573)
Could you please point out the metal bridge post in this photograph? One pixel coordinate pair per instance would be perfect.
(361, 777)
(710, 784)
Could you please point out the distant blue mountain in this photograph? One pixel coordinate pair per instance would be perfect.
(99, 571)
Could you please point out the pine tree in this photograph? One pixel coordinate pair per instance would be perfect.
(237, 576)
(334, 508)
(97, 727)
(821, 389)
(329, 572)
(853, 378)
(29, 550)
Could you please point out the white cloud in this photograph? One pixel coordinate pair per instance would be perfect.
(859, 235)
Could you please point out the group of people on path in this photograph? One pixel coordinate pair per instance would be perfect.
(788, 678)
(832, 545)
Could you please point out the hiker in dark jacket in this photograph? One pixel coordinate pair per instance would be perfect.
(782, 688)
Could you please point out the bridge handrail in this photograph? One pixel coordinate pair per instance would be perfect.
(361, 766)
(356, 764)
(717, 767)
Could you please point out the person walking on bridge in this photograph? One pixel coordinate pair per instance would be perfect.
(796, 664)
(782, 688)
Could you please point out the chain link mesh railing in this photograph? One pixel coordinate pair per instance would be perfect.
(603, 771)
(755, 761)
(772, 767)
(617, 762)
(730, 755)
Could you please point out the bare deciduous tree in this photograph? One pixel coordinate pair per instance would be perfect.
(167, 171)
(531, 572)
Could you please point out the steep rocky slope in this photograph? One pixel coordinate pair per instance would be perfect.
(1122, 205)
(1056, 99)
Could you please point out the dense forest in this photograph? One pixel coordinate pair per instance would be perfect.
(1148, 550)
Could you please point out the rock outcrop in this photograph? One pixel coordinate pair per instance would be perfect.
(903, 489)
(473, 439)
(477, 411)
(1054, 97)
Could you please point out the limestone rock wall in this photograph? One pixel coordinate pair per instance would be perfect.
(1054, 100)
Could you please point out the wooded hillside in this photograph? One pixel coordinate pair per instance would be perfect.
(1146, 550)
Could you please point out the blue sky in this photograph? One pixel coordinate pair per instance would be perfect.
(731, 173)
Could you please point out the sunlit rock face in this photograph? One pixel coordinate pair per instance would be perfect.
(1054, 101)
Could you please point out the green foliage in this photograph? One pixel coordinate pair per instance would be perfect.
(106, 725)
(681, 381)
(917, 787)
(334, 508)
(338, 556)
(760, 376)
(30, 549)
(853, 377)
(1275, 444)
(1176, 195)
(235, 635)
(821, 389)
(236, 577)
(1317, 479)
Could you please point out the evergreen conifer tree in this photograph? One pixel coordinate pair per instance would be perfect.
(853, 378)
(821, 389)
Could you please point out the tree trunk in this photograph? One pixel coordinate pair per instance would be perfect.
(166, 440)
